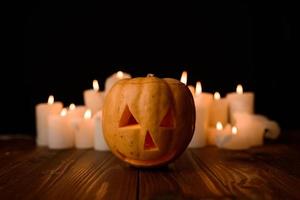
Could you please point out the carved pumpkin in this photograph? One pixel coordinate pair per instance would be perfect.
(148, 121)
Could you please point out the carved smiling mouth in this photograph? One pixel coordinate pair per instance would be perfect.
(149, 143)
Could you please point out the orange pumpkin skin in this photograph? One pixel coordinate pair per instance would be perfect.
(148, 121)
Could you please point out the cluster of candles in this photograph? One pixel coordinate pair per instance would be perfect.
(228, 122)
(225, 122)
(75, 126)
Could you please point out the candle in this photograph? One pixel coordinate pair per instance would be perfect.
(76, 111)
(84, 131)
(212, 132)
(43, 110)
(93, 98)
(236, 140)
(61, 135)
(183, 80)
(99, 141)
(218, 110)
(202, 104)
(222, 133)
(240, 102)
(272, 128)
(111, 80)
(249, 131)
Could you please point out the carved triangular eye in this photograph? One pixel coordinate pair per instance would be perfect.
(168, 120)
(127, 118)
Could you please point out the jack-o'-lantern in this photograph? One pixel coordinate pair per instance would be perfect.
(148, 121)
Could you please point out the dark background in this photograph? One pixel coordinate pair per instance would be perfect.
(60, 47)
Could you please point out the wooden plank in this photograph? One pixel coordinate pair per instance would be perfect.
(14, 151)
(281, 157)
(94, 175)
(183, 179)
(268, 172)
(28, 179)
(75, 174)
(248, 177)
(24, 164)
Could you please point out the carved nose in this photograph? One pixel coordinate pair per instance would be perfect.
(149, 143)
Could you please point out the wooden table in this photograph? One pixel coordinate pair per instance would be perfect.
(268, 172)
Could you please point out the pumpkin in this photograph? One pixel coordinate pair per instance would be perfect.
(148, 121)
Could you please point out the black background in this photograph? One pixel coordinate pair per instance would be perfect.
(60, 47)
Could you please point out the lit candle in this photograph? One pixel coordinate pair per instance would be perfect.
(202, 104)
(183, 79)
(93, 98)
(249, 131)
(84, 131)
(218, 110)
(111, 80)
(240, 102)
(76, 111)
(211, 133)
(61, 135)
(221, 133)
(43, 110)
(236, 140)
(99, 141)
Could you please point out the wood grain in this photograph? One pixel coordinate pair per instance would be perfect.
(73, 174)
(248, 177)
(183, 179)
(268, 172)
(95, 175)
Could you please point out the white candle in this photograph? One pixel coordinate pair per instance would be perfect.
(218, 110)
(76, 111)
(202, 104)
(99, 141)
(61, 135)
(93, 98)
(42, 111)
(272, 128)
(111, 80)
(240, 102)
(222, 133)
(236, 140)
(212, 133)
(183, 79)
(250, 132)
(84, 131)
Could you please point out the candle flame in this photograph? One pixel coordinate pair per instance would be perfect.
(150, 75)
(72, 106)
(234, 130)
(63, 112)
(183, 78)
(239, 89)
(198, 88)
(87, 114)
(50, 99)
(95, 85)
(217, 96)
(219, 126)
(120, 74)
